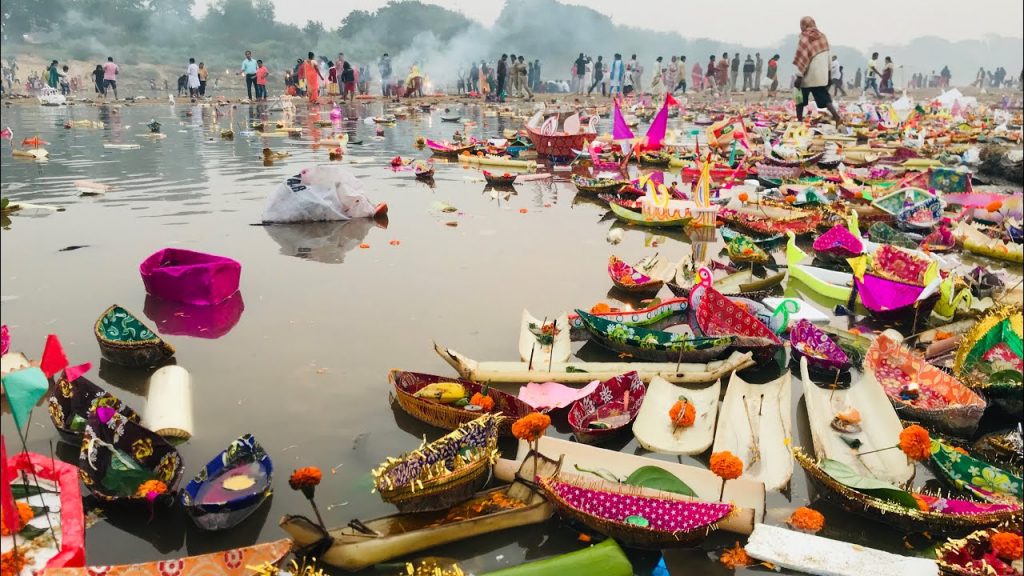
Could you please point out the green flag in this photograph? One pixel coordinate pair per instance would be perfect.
(24, 388)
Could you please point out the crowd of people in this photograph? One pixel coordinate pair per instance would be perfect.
(509, 76)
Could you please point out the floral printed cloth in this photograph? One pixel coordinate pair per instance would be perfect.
(981, 479)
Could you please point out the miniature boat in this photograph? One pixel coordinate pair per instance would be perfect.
(990, 355)
(984, 481)
(828, 283)
(653, 345)
(122, 146)
(638, 218)
(423, 170)
(742, 249)
(504, 179)
(543, 342)
(741, 283)
(838, 244)
(810, 554)
(118, 456)
(646, 277)
(597, 185)
(58, 507)
(362, 544)
(860, 414)
(30, 154)
(445, 413)
(939, 240)
(557, 145)
(190, 277)
(498, 161)
(882, 233)
(1005, 447)
(654, 159)
(585, 372)
(643, 317)
(125, 340)
(608, 410)
(977, 242)
(745, 493)
(973, 556)
(450, 117)
(445, 150)
(654, 429)
(73, 400)
(922, 392)
(234, 562)
(443, 473)
(765, 243)
(231, 486)
(717, 315)
(810, 342)
(891, 506)
(768, 219)
(754, 424)
(914, 208)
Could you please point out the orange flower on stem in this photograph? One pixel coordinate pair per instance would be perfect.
(682, 414)
(994, 206)
(306, 480)
(485, 402)
(735, 557)
(790, 199)
(151, 489)
(531, 427)
(727, 467)
(807, 520)
(1007, 545)
(915, 442)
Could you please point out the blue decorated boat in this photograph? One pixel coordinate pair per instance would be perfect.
(231, 486)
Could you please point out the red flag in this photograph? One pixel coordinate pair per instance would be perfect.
(10, 511)
(670, 101)
(71, 373)
(54, 359)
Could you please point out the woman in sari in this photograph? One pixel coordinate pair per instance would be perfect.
(310, 72)
(697, 76)
(887, 87)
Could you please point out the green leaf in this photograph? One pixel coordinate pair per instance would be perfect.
(1006, 376)
(871, 486)
(572, 369)
(30, 532)
(658, 479)
(22, 491)
(38, 511)
(600, 473)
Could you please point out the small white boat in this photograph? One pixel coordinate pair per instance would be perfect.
(811, 554)
(754, 424)
(532, 331)
(91, 188)
(122, 146)
(654, 430)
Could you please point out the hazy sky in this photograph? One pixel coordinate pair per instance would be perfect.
(859, 24)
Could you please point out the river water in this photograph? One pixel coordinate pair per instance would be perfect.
(304, 369)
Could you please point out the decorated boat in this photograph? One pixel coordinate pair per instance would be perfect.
(828, 283)
(913, 208)
(436, 400)
(754, 424)
(638, 517)
(989, 358)
(742, 249)
(897, 286)
(940, 239)
(230, 487)
(765, 243)
(640, 219)
(658, 431)
(653, 345)
(983, 481)
(977, 242)
(608, 410)
(922, 392)
(821, 352)
(73, 399)
(657, 312)
(857, 426)
(585, 372)
(654, 158)
(122, 462)
(234, 562)
(190, 277)
(838, 244)
(542, 342)
(736, 283)
(446, 150)
(882, 233)
(364, 543)
(974, 555)
(597, 185)
(900, 509)
(125, 340)
(1005, 447)
(499, 179)
(646, 277)
(768, 219)
(443, 473)
(423, 170)
(717, 315)
(553, 144)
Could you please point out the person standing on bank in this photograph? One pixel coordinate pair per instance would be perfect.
(812, 61)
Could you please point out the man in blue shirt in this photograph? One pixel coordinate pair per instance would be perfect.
(249, 68)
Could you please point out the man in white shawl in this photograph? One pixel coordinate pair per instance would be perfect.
(193, 77)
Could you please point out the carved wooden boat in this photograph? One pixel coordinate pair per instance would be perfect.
(942, 402)
(754, 424)
(653, 345)
(654, 429)
(125, 340)
(614, 403)
(585, 372)
(443, 473)
(879, 427)
(230, 487)
(234, 562)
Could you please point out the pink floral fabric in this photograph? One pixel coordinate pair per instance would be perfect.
(838, 242)
(899, 264)
(963, 507)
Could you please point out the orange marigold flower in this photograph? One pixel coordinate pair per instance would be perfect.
(25, 514)
(682, 414)
(483, 401)
(13, 562)
(726, 466)
(1007, 545)
(915, 442)
(994, 206)
(531, 427)
(790, 199)
(735, 557)
(308, 477)
(600, 308)
(743, 196)
(807, 520)
(921, 504)
(150, 489)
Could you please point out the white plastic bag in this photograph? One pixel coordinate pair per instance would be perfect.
(318, 194)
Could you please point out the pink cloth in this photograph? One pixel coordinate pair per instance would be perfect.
(5, 340)
(880, 294)
(552, 395)
(190, 277)
(839, 242)
(963, 507)
(110, 71)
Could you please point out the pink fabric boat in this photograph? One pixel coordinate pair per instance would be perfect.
(838, 243)
(190, 277)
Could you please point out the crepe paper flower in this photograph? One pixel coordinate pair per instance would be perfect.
(25, 514)
(735, 557)
(485, 402)
(915, 442)
(1007, 545)
(531, 427)
(600, 308)
(726, 466)
(151, 489)
(807, 520)
(994, 206)
(922, 504)
(743, 196)
(682, 413)
(13, 562)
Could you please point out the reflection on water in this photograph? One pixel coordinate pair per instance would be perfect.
(326, 242)
(183, 319)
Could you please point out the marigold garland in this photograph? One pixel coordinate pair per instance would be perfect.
(531, 427)
(726, 466)
(150, 489)
(486, 403)
(735, 557)
(308, 477)
(915, 442)
(1007, 545)
(25, 514)
(807, 520)
(682, 414)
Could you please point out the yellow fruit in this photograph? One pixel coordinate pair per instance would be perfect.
(445, 392)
